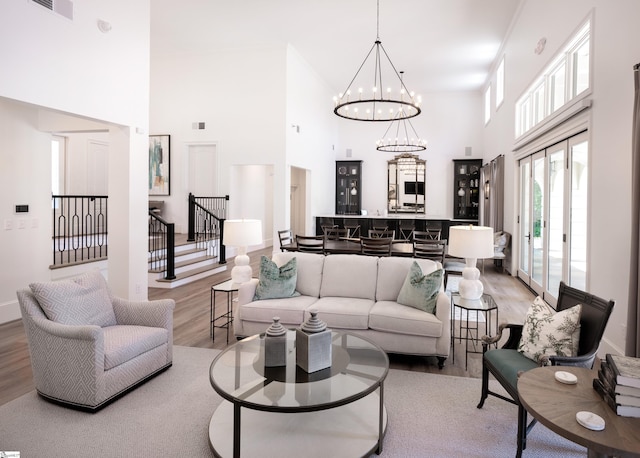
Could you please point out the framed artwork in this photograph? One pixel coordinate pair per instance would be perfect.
(159, 165)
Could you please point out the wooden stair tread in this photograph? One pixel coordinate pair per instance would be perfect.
(191, 273)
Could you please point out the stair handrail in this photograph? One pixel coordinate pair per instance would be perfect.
(162, 239)
(80, 232)
(206, 210)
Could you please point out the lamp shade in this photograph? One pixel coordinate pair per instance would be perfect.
(242, 232)
(471, 242)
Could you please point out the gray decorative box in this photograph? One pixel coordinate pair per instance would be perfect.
(275, 345)
(313, 344)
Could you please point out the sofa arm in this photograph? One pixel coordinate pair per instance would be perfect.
(157, 314)
(246, 291)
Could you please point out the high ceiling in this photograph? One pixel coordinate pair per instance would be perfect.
(442, 45)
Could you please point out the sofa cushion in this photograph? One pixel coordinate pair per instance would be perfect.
(389, 316)
(290, 310)
(276, 282)
(547, 332)
(419, 290)
(80, 300)
(123, 343)
(392, 271)
(349, 275)
(309, 270)
(343, 312)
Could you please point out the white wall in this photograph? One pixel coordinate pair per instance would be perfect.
(312, 141)
(70, 68)
(616, 48)
(243, 117)
(449, 122)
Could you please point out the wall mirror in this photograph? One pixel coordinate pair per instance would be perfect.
(406, 184)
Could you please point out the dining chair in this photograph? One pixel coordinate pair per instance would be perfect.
(507, 363)
(327, 227)
(286, 240)
(430, 249)
(406, 228)
(336, 233)
(353, 230)
(310, 243)
(379, 234)
(376, 246)
(427, 234)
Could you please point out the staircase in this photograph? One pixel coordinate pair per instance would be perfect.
(191, 264)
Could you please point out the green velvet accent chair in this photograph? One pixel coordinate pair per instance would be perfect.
(507, 363)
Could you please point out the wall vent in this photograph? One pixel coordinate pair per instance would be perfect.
(62, 7)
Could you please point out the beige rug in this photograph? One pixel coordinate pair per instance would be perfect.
(430, 415)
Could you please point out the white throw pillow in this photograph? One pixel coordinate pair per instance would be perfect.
(547, 332)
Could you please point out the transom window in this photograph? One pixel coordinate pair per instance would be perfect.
(564, 79)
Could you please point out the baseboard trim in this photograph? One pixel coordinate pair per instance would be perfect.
(9, 311)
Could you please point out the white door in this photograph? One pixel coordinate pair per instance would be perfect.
(203, 170)
(97, 168)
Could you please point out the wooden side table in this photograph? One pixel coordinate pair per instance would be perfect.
(555, 405)
(226, 318)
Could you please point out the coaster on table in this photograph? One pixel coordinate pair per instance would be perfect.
(566, 377)
(590, 420)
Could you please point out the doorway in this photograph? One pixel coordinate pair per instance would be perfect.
(203, 170)
(553, 217)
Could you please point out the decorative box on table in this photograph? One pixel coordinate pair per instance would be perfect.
(313, 344)
(275, 345)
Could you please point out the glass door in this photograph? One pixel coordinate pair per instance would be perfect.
(553, 217)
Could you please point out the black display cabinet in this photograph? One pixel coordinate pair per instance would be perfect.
(348, 187)
(466, 188)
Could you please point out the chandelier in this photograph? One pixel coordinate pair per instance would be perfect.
(377, 103)
(404, 140)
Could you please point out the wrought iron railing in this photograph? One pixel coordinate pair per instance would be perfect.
(162, 246)
(206, 224)
(79, 229)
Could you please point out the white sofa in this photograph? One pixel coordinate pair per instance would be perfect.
(353, 293)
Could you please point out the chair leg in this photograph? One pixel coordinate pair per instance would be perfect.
(522, 430)
(485, 386)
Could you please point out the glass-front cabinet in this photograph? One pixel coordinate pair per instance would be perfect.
(348, 187)
(466, 188)
(406, 184)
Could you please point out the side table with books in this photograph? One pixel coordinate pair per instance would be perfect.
(618, 383)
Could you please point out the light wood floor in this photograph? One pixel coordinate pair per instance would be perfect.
(191, 328)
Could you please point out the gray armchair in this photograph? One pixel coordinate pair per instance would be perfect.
(89, 347)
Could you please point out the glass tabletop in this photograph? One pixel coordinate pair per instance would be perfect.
(486, 302)
(238, 374)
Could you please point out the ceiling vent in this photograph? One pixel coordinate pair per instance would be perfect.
(62, 7)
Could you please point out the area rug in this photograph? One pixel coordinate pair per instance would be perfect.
(430, 415)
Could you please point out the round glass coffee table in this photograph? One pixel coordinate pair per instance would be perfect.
(285, 411)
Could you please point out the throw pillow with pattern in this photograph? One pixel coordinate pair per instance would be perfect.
(276, 282)
(421, 291)
(77, 301)
(547, 332)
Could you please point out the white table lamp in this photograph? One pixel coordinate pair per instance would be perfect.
(471, 243)
(242, 233)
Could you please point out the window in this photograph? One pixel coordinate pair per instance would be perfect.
(487, 105)
(563, 80)
(500, 84)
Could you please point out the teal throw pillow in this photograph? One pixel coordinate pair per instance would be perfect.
(421, 291)
(276, 282)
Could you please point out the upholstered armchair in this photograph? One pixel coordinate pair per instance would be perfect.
(507, 363)
(89, 347)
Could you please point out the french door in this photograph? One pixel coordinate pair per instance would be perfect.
(552, 227)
